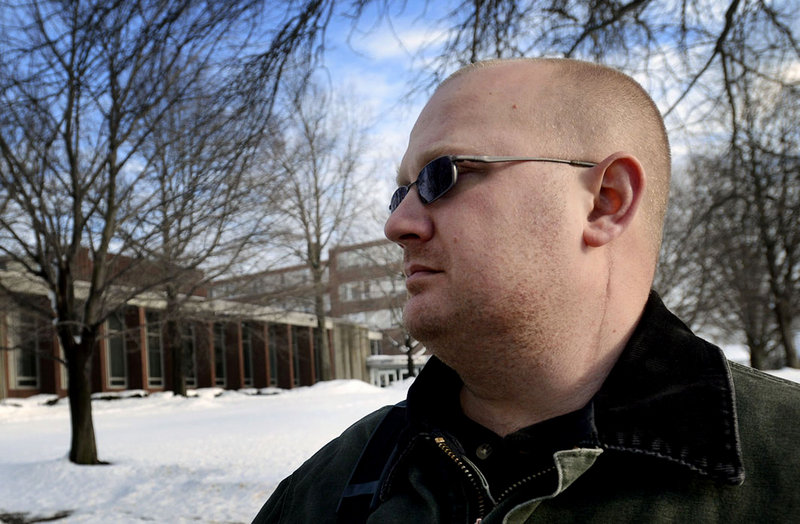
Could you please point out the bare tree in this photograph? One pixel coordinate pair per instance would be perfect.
(767, 157)
(83, 88)
(682, 45)
(712, 271)
(203, 214)
(318, 163)
(734, 257)
(763, 166)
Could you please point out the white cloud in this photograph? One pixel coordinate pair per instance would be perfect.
(388, 45)
(793, 73)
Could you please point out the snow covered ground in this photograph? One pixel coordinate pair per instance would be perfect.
(204, 459)
(209, 459)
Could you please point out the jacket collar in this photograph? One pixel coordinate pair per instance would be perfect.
(669, 396)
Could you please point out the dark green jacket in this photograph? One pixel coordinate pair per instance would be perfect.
(679, 435)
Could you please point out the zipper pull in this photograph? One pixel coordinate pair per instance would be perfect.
(475, 471)
(482, 479)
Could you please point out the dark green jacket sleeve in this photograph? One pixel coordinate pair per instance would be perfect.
(312, 492)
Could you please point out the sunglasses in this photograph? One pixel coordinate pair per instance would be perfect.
(440, 175)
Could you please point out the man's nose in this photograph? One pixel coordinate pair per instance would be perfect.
(411, 221)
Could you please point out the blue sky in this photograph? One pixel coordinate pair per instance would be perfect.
(379, 62)
(375, 69)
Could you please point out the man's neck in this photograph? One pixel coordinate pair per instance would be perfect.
(509, 413)
(507, 395)
(515, 381)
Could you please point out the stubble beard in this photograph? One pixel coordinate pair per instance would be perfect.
(482, 337)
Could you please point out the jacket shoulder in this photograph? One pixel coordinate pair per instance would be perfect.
(768, 411)
(312, 492)
(768, 407)
(763, 391)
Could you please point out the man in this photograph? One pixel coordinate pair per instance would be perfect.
(561, 389)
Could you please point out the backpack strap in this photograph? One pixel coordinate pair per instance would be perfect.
(354, 504)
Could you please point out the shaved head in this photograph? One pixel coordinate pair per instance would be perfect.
(532, 272)
(590, 111)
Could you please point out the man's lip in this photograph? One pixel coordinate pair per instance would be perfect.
(413, 269)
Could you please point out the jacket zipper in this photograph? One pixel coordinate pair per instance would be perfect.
(473, 475)
(506, 492)
(478, 481)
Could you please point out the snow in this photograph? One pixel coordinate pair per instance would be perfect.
(214, 457)
(787, 374)
(737, 353)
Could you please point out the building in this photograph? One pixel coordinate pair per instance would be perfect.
(366, 285)
(225, 343)
(363, 283)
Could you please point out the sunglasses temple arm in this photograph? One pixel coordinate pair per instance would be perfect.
(498, 159)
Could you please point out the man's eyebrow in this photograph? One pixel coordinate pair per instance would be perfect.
(429, 155)
(399, 177)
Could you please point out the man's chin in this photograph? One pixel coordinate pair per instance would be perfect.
(422, 319)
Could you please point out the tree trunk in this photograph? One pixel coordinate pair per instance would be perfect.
(410, 354)
(83, 449)
(172, 335)
(758, 356)
(322, 355)
(785, 332)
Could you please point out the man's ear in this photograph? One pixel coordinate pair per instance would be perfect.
(618, 186)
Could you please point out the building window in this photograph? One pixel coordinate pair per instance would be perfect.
(219, 354)
(382, 255)
(272, 342)
(117, 367)
(25, 358)
(27, 368)
(155, 354)
(373, 289)
(296, 354)
(189, 366)
(247, 354)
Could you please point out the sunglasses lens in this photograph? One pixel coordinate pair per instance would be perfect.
(398, 196)
(435, 179)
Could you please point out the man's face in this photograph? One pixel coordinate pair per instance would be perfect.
(492, 257)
